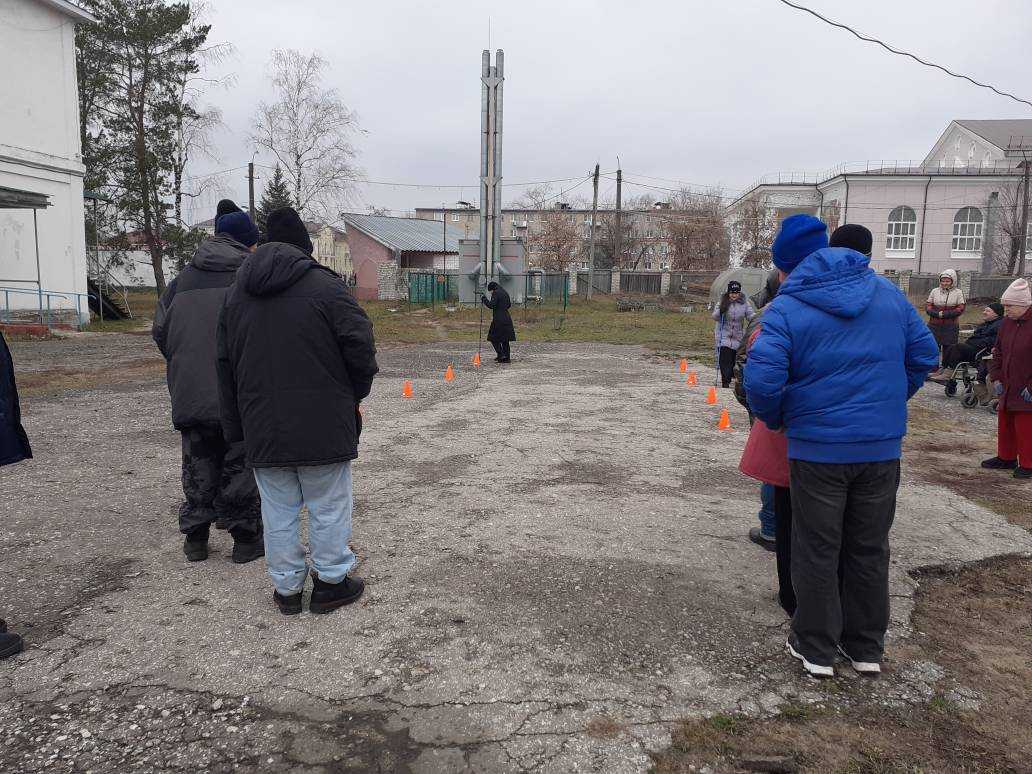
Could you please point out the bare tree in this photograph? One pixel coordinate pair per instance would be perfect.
(695, 231)
(752, 232)
(557, 240)
(308, 130)
(1008, 229)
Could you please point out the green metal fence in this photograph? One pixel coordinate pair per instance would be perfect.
(431, 288)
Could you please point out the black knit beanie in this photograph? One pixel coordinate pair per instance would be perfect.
(853, 236)
(285, 225)
(997, 307)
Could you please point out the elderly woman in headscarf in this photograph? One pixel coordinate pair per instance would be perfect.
(502, 330)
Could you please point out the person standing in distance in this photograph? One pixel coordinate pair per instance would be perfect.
(502, 330)
(295, 359)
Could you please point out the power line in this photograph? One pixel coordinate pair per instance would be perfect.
(898, 52)
(401, 184)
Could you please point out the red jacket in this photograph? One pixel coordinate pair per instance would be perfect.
(1012, 361)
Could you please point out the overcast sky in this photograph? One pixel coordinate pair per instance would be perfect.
(710, 92)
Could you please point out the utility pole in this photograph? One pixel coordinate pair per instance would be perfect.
(618, 247)
(250, 188)
(591, 248)
(1023, 236)
(989, 241)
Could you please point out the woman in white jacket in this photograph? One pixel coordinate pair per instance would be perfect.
(944, 307)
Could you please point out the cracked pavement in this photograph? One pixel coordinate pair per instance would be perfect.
(557, 569)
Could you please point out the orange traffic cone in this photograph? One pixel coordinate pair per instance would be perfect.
(725, 421)
(711, 397)
(684, 366)
(406, 391)
(693, 379)
(449, 374)
(476, 360)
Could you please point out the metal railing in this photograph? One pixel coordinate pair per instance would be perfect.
(44, 310)
(106, 284)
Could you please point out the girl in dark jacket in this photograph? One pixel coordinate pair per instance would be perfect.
(502, 330)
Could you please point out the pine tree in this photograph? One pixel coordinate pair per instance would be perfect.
(277, 195)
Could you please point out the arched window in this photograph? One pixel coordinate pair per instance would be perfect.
(967, 230)
(901, 230)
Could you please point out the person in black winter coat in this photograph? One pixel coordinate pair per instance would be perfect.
(982, 340)
(217, 484)
(14, 447)
(295, 358)
(502, 330)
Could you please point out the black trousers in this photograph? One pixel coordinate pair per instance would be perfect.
(726, 362)
(841, 514)
(218, 483)
(783, 547)
(502, 348)
(955, 354)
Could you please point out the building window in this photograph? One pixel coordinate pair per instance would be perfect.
(438, 216)
(967, 230)
(455, 217)
(901, 231)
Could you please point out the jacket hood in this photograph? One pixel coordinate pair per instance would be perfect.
(219, 253)
(952, 274)
(835, 280)
(274, 267)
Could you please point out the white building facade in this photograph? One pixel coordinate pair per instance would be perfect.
(945, 211)
(42, 242)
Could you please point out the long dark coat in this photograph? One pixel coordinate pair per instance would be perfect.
(14, 444)
(501, 321)
(1012, 362)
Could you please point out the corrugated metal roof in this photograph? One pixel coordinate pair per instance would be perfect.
(407, 234)
(1000, 131)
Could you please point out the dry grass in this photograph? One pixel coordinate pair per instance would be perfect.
(54, 381)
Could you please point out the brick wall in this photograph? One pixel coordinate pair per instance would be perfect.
(367, 255)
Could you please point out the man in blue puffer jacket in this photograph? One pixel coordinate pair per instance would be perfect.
(841, 352)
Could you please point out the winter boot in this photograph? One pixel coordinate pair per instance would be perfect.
(995, 463)
(196, 546)
(10, 644)
(329, 596)
(248, 551)
(1020, 472)
(289, 605)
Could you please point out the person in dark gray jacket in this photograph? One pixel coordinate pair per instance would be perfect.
(217, 483)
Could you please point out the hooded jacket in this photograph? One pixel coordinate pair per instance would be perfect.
(730, 328)
(840, 353)
(501, 328)
(1012, 362)
(184, 329)
(14, 443)
(945, 306)
(295, 357)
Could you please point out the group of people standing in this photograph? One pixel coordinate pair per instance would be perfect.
(825, 366)
(268, 357)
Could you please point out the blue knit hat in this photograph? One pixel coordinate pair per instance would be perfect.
(800, 235)
(239, 226)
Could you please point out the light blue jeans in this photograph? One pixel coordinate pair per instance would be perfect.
(326, 490)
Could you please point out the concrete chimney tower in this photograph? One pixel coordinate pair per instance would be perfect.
(491, 79)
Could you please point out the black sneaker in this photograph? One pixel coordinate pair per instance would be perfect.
(995, 463)
(244, 552)
(10, 644)
(196, 550)
(288, 605)
(1020, 472)
(330, 596)
(756, 535)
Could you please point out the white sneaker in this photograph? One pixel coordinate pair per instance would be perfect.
(815, 670)
(863, 667)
